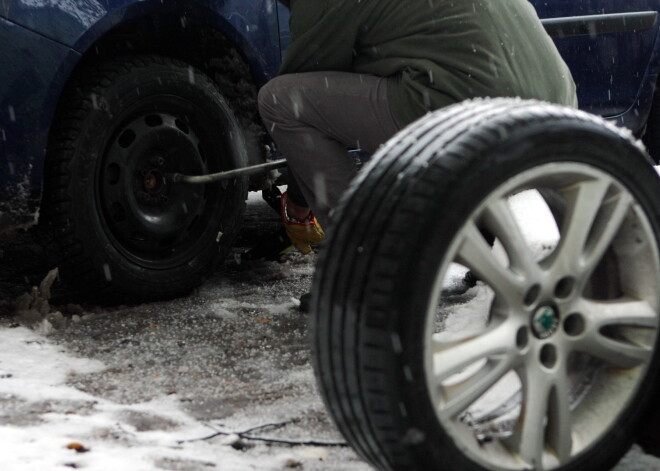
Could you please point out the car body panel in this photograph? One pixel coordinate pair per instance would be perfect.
(252, 25)
(35, 71)
(285, 31)
(610, 69)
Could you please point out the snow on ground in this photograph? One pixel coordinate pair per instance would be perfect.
(140, 436)
(138, 388)
(194, 384)
(142, 387)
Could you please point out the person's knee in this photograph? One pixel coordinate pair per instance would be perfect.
(265, 100)
(272, 97)
(266, 97)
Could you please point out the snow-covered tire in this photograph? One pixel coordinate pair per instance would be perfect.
(119, 230)
(551, 360)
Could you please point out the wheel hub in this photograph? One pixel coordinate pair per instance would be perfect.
(153, 181)
(152, 188)
(148, 216)
(545, 321)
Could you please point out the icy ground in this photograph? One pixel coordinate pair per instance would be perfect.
(218, 380)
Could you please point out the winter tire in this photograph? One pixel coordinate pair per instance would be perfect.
(550, 361)
(119, 228)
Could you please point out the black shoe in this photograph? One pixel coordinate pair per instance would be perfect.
(305, 301)
(470, 279)
(270, 247)
(460, 288)
(272, 196)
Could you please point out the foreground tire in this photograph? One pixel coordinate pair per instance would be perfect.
(118, 227)
(550, 361)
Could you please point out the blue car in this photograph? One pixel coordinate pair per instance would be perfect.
(101, 101)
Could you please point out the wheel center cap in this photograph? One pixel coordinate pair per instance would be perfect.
(545, 321)
(153, 181)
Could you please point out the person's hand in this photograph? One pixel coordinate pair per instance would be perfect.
(304, 234)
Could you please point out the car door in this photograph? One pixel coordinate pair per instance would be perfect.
(608, 45)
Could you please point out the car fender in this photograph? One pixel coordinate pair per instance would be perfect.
(71, 30)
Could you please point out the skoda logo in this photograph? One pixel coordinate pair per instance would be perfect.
(545, 322)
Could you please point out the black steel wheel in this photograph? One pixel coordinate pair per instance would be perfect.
(118, 225)
(551, 361)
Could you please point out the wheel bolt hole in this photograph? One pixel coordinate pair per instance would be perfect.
(574, 324)
(126, 138)
(564, 287)
(112, 174)
(118, 212)
(548, 355)
(522, 338)
(532, 295)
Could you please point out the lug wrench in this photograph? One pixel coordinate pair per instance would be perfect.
(227, 175)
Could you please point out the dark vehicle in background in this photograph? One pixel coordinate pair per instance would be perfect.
(100, 101)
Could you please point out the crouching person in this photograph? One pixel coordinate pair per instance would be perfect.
(357, 72)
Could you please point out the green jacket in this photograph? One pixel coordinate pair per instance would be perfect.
(433, 52)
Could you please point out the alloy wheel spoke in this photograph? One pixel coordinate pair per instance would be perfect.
(583, 204)
(450, 358)
(559, 429)
(529, 437)
(621, 312)
(477, 255)
(612, 316)
(545, 420)
(460, 396)
(618, 353)
(500, 220)
(608, 223)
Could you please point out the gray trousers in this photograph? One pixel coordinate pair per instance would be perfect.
(315, 118)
